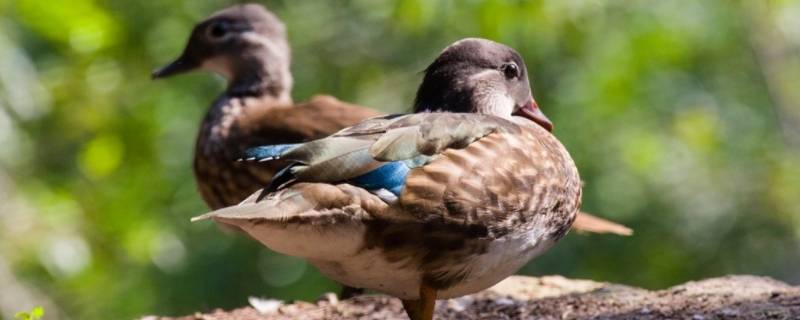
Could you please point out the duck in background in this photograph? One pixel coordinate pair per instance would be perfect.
(427, 205)
(247, 45)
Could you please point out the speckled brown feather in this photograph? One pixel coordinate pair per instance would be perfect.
(531, 181)
(237, 123)
(450, 209)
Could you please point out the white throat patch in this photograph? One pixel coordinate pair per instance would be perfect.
(489, 97)
(496, 104)
(219, 65)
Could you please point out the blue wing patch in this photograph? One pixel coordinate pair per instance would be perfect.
(267, 153)
(390, 176)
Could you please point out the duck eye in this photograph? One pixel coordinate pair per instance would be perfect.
(510, 70)
(219, 29)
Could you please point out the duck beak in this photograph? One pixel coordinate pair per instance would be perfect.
(532, 112)
(180, 65)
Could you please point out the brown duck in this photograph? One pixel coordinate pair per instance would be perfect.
(247, 45)
(427, 205)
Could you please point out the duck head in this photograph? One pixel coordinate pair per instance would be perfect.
(244, 43)
(479, 76)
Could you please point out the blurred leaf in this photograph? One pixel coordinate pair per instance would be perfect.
(81, 24)
(35, 314)
(698, 128)
(101, 156)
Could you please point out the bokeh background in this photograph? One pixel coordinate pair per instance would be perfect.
(683, 117)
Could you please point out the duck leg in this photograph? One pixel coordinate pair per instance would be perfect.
(412, 309)
(421, 309)
(427, 302)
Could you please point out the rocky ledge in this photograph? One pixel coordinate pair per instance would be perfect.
(554, 297)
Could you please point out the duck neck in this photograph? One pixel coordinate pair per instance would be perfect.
(257, 76)
(442, 94)
(253, 87)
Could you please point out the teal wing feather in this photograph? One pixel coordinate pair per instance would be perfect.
(438, 132)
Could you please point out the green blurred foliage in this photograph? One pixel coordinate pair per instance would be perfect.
(35, 314)
(682, 117)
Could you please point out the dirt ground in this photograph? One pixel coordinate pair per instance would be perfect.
(730, 297)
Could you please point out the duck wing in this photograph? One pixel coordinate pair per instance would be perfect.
(373, 143)
(222, 181)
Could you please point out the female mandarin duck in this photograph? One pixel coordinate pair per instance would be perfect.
(247, 45)
(426, 205)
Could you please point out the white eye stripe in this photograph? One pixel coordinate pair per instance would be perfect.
(269, 44)
(223, 30)
(483, 75)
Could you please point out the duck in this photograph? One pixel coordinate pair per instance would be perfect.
(424, 206)
(247, 45)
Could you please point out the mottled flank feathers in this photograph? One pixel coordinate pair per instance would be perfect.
(235, 124)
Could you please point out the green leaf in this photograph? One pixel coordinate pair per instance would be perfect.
(37, 313)
(34, 314)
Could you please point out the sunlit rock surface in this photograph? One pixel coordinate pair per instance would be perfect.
(554, 297)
